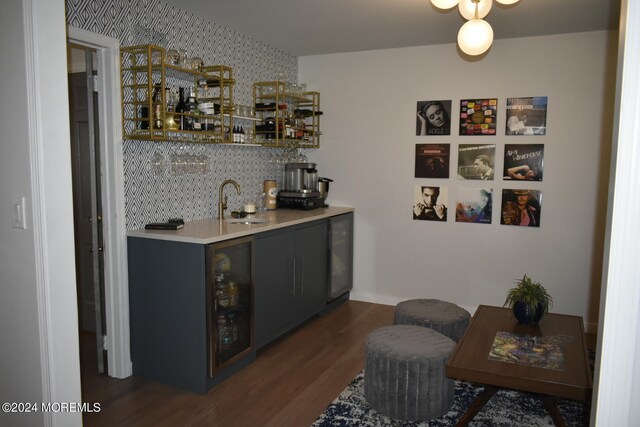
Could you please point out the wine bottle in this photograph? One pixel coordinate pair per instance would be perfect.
(180, 109)
(192, 108)
(157, 106)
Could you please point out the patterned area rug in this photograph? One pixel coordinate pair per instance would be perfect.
(506, 408)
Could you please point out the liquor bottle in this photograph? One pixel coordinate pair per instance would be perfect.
(180, 109)
(169, 100)
(192, 108)
(243, 138)
(157, 106)
(170, 119)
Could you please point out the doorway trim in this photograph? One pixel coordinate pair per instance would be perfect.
(112, 180)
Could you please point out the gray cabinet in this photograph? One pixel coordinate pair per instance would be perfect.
(291, 278)
(173, 311)
(177, 312)
(168, 314)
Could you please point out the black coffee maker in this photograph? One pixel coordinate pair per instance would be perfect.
(300, 187)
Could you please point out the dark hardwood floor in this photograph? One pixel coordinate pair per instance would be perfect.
(291, 382)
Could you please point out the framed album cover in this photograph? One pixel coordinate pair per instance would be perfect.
(521, 207)
(433, 118)
(476, 161)
(523, 162)
(432, 160)
(474, 205)
(430, 203)
(526, 116)
(478, 116)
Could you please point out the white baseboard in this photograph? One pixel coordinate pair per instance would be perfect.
(589, 327)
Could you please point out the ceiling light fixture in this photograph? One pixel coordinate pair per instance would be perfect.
(475, 37)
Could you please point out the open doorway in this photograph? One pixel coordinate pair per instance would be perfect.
(108, 230)
(87, 205)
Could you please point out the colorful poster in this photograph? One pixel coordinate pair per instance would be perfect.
(430, 203)
(478, 116)
(539, 352)
(432, 160)
(526, 116)
(474, 205)
(521, 207)
(523, 162)
(433, 118)
(476, 161)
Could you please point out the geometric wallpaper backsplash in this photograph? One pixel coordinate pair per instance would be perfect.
(152, 191)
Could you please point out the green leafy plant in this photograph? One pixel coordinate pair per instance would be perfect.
(530, 293)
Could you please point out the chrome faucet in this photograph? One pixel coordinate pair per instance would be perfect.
(222, 204)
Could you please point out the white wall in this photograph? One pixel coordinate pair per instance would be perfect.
(368, 144)
(38, 315)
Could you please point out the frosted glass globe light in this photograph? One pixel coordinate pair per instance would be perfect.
(468, 8)
(475, 37)
(507, 1)
(445, 4)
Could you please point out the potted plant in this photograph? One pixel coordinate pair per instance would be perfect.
(529, 300)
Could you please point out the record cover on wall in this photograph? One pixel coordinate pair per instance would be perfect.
(432, 160)
(476, 161)
(478, 116)
(526, 116)
(430, 203)
(523, 162)
(474, 205)
(433, 118)
(521, 207)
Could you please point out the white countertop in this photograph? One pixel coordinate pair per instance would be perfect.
(213, 230)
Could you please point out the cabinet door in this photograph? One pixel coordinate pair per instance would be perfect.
(229, 305)
(274, 285)
(311, 268)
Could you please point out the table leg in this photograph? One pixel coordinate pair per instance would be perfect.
(551, 406)
(477, 405)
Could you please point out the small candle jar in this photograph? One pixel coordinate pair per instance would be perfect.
(250, 207)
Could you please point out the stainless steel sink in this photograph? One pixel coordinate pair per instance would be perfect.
(246, 220)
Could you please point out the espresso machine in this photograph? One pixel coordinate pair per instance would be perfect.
(300, 187)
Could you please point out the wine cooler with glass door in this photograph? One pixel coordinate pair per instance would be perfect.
(340, 257)
(229, 302)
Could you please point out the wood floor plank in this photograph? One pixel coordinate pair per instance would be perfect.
(290, 383)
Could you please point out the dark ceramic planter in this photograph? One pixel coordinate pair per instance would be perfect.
(524, 315)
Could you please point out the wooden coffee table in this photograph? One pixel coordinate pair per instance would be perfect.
(470, 360)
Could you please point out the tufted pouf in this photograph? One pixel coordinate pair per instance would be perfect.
(444, 317)
(404, 374)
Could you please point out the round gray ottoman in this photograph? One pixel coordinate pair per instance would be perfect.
(404, 374)
(444, 317)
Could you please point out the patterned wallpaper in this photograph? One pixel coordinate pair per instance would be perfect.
(154, 193)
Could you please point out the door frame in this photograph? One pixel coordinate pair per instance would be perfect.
(116, 299)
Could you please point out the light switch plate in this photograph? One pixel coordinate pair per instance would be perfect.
(18, 213)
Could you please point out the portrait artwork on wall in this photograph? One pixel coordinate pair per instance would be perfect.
(433, 118)
(521, 207)
(478, 116)
(526, 116)
(474, 205)
(432, 160)
(476, 161)
(523, 162)
(430, 203)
